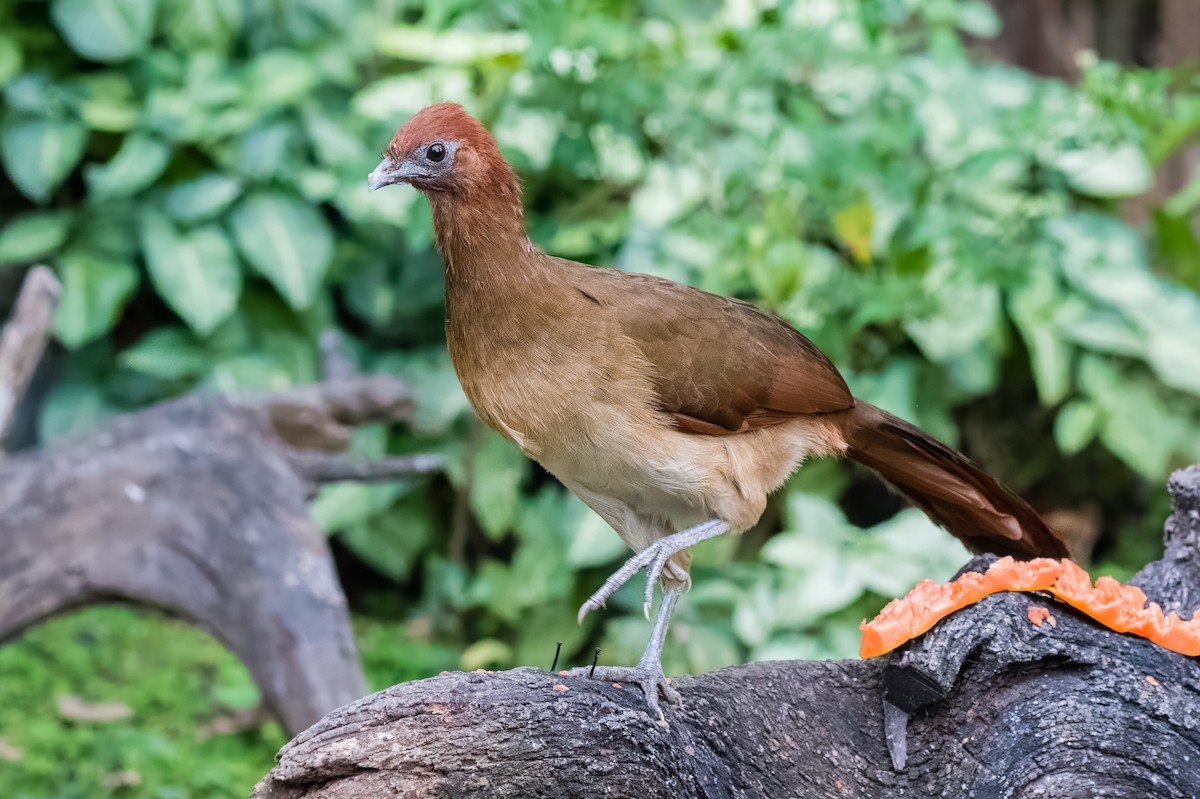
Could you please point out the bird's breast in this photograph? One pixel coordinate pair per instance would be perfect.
(557, 390)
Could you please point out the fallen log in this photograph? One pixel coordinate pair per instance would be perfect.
(988, 704)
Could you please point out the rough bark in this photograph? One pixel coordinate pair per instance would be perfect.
(986, 705)
(198, 507)
(23, 340)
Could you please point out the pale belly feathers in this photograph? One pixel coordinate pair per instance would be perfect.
(590, 419)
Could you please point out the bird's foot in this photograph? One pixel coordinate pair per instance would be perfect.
(647, 676)
(654, 559)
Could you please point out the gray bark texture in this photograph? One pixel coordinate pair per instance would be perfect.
(985, 705)
(198, 507)
(23, 340)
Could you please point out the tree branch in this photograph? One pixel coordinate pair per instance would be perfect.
(197, 507)
(986, 705)
(322, 467)
(24, 339)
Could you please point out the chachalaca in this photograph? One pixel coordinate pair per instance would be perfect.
(670, 411)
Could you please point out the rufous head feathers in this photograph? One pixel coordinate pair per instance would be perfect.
(443, 149)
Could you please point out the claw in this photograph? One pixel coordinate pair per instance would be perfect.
(653, 573)
(589, 606)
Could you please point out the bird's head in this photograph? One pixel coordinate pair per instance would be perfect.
(442, 149)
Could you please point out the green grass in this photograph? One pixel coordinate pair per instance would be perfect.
(176, 681)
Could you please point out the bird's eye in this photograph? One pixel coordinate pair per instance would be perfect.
(436, 152)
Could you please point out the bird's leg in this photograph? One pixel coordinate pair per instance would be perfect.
(654, 559)
(648, 673)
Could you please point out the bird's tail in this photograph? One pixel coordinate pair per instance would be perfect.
(952, 490)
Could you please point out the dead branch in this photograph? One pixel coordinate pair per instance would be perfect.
(197, 507)
(24, 339)
(987, 705)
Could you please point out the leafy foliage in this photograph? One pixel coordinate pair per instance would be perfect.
(949, 232)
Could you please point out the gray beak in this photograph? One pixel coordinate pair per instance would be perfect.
(387, 173)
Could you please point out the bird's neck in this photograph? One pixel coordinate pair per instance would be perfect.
(496, 280)
(481, 238)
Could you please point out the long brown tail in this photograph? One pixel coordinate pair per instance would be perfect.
(956, 493)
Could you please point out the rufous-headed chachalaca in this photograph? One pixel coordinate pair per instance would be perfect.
(672, 412)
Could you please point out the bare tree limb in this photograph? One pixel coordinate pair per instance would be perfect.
(197, 507)
(24, 339)
(987, 705)
(323, 467)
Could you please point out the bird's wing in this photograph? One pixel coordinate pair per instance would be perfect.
(720, 366)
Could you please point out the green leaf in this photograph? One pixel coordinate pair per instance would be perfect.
(1106, 259)
(1033, 311)
(167, 353)
(94, 292)
(343, 506)
(261, 151)
(1102, 331)
(1051, 362)
(777, 272)
(287, 240)
(280, 77)
(539, 575)
(203, 24)
(813, 525)
(39, 153)
(1179, 246)
(591, 542)
(105, 30)
(139, 162)
(1075, 426)
(412, 43)
(1108, 173)
(202, 198)
(967, 314)
(978, 19)
(32, 93)
(196, 273)
(34, 235)
(710, 648)
(528, 134)
(1139, 429)
(332, 142)
(1099, 377)
(10, 58)
(1175, 357)
(487, 652)
(1186, 199)
(73, 407)
(248, 372)
(437, 392)
(497, 473)
(895, 555)
(821, 588)
(1135, 423)
(105, 101)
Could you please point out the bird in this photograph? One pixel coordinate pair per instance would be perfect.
(671, 412)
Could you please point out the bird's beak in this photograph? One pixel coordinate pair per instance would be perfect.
(387, 173)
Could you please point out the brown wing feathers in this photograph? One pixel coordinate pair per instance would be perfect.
(724, 367)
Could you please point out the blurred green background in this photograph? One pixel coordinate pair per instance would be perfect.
(1010, 261)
